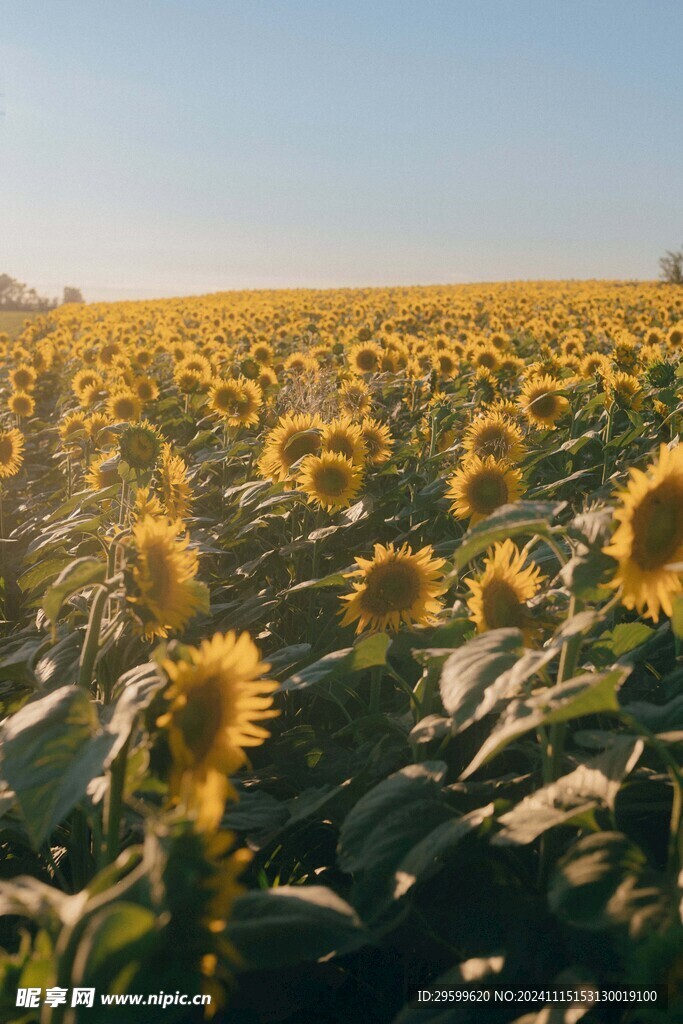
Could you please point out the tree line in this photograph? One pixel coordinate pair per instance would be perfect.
(15, 296)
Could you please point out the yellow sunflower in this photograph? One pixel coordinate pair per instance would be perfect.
(396, 586)
(166, 594)
(330, 480)
(218, 698)
(481, 486)
(21, 404)
(23, 378)
(494, 434)
(103, 472)
(236, 401)
(378, 441)
(140, 445)
(623, 390)
(294, 436)
(354, 397)
(175, 487)
(365, 358)
(345, 438)
(11, 452)
(648, 543)
(73, 429)
(500, 593)
(541, 401)
(124, 405)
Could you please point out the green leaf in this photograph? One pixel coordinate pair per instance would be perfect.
(84, 572)
(584, 695)
(572, 798)
(291, 925)
(367, 653)
(527, 517)
(115, 942)
(601, 881)
(51, 750)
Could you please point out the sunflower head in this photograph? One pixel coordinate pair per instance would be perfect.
(103, 472)
(344, 437)
(394, 586)
(11, 452)
(163, 591)
(499, 594)
(648, 543)
(541, 401)
(494, 434)
(330, 480)
(124, 405)
(623, 390)
(175, 486)
(23, 377)
(294, 437)
(378, 441)
(139, 446)
(21, 404)
(481, 486)
(661, 374)
(217, 699)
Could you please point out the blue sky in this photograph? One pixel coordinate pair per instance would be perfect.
(160, 147)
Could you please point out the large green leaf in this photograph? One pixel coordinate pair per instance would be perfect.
(291, 925)
(367, 653)
(584, 695)
(81, 573)
(524, 517)
(51, 750)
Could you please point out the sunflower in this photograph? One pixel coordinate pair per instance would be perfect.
(294, 436)
(354, 397)
(345, 438)
(378, 441)
(494, 434)
(396, 586)
(481, 486)
(146, 504)
(23, 378)
(11, 452)
(263, 353)
(84, 381)
(237, 401)
(330, 480)
(365, 358)
(541, 402)
(97, 427)
(267, 378)
(500, 593)
(146, 389)
(103, 472)
(140, 445)
(299, 363)
(218, 699)
(73, 429)
(189, 381)
(175, 487)
(623, 390)
(166, 594)
(648, 543)
(21, 404)
(124, 405)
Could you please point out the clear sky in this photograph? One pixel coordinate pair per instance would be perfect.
(160, 147)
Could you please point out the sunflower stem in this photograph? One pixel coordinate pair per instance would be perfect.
(375, 689)
(607, 438)
(91, 644)
(114, 801)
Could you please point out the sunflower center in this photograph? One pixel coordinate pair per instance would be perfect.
(340, 445)
(6, 450)
(502, 607)
(331, 480)
(391, 587)
(492, 440)
(544, 406)
(159, 574)
(487, 491)
(366, 360)
(305, 443)
(657, 528)
(201, 719)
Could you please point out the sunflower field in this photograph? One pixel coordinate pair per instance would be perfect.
(341, 656)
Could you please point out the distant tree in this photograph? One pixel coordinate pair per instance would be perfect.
(671, 267)
(72, 295)
(16, 297)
